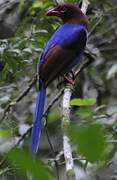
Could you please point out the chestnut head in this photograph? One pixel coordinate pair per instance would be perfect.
(65, 11)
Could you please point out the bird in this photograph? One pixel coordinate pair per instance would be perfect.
(61, 53)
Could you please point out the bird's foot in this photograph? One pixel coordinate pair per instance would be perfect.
(69, 80)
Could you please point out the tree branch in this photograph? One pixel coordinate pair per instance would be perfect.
(18, 99)
(66, 116)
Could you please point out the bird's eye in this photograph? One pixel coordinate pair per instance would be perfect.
(63, 10)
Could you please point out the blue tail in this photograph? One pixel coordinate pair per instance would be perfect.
(37, 121)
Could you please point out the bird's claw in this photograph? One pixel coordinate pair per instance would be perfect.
(69, 77)
(69, 80)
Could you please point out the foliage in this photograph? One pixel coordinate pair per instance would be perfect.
(90, 136)
(18, 61)
(83, 102)
(89, 140)
(27, 165)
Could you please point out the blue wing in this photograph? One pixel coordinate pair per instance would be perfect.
(63, 51)
(69, 36)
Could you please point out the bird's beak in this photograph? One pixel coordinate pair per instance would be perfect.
(52, 12)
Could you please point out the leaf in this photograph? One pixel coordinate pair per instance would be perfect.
(26, 164)
(27, 50)
(85, 112)
(82, 102)
(89, 140)
(17, 51)
(53, 116)
(54, 122)
(4, 133)
(37, 4)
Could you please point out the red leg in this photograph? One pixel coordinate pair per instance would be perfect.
(69, 80)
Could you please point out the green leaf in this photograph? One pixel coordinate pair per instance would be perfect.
(53, 116)
(4, 133)
(89, 140)
(85, 112)
(37, 4)
(26, 164)
(83, 102)
(54, 122)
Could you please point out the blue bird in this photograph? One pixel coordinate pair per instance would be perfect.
(62, 52)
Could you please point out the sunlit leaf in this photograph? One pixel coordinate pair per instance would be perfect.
(83, 102)
(17, 51)
(37, 4)
(27, 50)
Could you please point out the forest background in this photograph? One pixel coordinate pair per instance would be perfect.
(23, 32)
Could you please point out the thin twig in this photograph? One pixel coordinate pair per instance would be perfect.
(23, 136)
(18, 99)
(83, 66)
(55, 2)
(95, 26)
(51, 104)
(26, 91)
(53, 152)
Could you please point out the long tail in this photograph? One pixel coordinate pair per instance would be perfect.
(37, 121)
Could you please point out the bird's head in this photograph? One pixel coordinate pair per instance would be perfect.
(66, 12)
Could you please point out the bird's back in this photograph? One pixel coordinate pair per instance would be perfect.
(62, 52)
(69, 36)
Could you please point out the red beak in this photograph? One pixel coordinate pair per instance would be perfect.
(52, 12)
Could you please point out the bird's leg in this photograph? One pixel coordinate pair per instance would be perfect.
(70, 78)
(73, 74)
